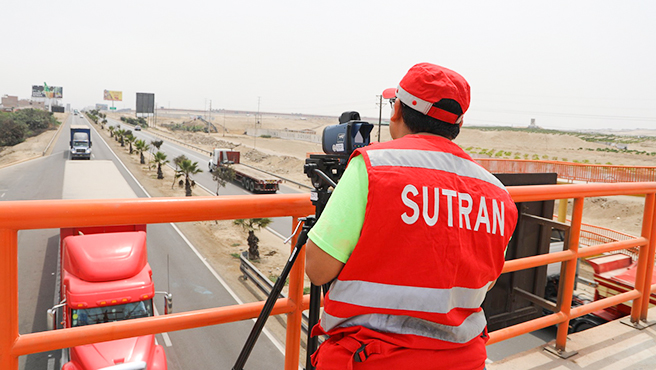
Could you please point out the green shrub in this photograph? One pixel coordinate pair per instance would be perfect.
(12, 132)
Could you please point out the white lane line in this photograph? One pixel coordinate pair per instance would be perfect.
(266, 332)
(51, 364)
(167, 339)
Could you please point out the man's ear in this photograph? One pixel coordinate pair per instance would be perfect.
(396, 114)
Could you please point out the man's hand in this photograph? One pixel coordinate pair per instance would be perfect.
(320, 267)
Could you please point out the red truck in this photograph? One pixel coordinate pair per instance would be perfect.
(250, 179)
(104, 276)
(615, 274)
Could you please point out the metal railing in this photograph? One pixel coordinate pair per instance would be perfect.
(572, 171)
(25, 215)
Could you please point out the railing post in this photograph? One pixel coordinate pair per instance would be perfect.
(647, 231)
(570, 274)
(8, 297)
(649, 270)
(294, 318)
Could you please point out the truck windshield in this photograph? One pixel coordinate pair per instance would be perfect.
(98, 315)
(81, 143)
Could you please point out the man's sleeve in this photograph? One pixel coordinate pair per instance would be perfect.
(339, 226)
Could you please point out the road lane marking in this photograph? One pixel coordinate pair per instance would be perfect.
(266, 332)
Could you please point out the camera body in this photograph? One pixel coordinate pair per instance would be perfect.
(351, 133)
(338, 142)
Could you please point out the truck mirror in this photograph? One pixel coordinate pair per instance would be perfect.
(51, 318)
(168, 303)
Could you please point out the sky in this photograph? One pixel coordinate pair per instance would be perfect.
(571, 65)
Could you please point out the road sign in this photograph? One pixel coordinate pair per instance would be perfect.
(112, 108)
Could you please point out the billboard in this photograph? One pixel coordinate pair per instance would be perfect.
(145, 103)
(113, 95)
(45, 91)
(101, 106)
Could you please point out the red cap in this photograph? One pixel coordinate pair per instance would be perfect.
(426, 84)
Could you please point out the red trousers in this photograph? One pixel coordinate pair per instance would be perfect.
(367, 349)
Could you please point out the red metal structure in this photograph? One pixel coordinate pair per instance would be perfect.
(22, 215)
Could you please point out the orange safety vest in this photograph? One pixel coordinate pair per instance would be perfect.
(435, 230)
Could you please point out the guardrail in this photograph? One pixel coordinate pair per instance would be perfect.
(26, 215)
(263, 283)
(244, 164)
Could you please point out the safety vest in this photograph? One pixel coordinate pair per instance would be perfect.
(435, 230)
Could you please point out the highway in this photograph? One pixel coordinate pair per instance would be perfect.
(281, 226)
(193, 283)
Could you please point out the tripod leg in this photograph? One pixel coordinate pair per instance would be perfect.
(270, 302)
(313, 319)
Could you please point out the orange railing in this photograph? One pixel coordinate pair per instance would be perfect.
(572, 171)
(23, 215)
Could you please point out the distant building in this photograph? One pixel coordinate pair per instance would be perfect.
(533, 125)
(26, 103)
(10, 101)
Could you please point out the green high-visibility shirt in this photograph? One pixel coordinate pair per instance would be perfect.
(338, 229)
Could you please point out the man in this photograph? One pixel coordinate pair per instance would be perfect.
(414, 236)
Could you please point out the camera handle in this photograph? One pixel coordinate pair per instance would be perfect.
(308, 222)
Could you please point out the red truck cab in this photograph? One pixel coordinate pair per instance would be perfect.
(105, 277)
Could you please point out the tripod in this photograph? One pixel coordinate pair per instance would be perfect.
(315, 302)
(316, 167)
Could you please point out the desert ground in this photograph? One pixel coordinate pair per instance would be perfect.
(221, 241)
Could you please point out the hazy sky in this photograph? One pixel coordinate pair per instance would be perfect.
(568, 64)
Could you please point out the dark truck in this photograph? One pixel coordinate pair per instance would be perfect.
(80, 143)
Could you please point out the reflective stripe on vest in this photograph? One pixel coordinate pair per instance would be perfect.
(409, 298)
(432, 160)
(470, 328)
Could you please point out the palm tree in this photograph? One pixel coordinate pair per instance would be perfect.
(111, 131)
(187, 168)
(223, 175)
(157, 143)
(250, 225)
(130, 139)
(159, 159)
(141, 147)
(120, 133)
(177, 161)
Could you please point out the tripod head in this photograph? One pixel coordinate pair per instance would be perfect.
(324, 170)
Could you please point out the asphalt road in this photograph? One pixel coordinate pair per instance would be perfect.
(177, 267)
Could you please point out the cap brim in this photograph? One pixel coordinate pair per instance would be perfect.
(389, 93)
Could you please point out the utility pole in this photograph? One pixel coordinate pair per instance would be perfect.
(209, 118)
(259, 118)
(380, 113)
